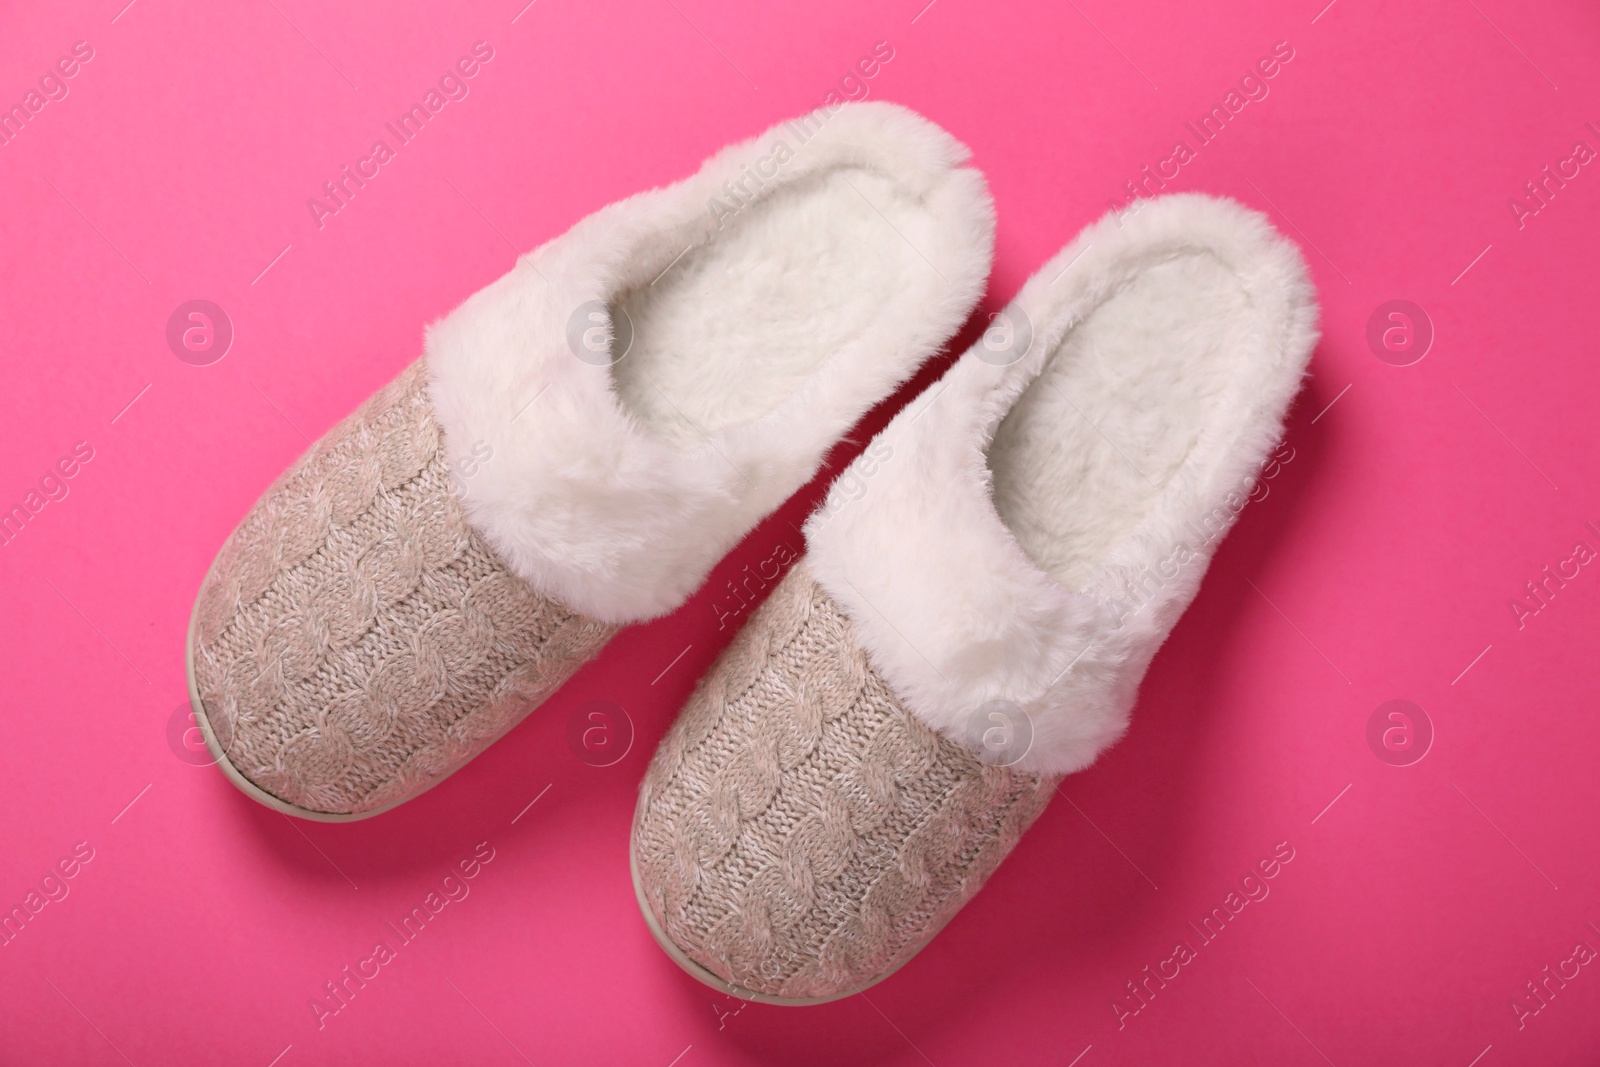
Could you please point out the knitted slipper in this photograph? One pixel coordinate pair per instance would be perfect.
(982, 593)
(581, 442)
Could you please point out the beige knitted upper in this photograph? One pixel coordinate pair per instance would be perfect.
(798, 833)
(356, 640)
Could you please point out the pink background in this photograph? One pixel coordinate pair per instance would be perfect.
(1380, 566)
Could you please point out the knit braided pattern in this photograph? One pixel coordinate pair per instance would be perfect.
(356, 639)
(799, 834)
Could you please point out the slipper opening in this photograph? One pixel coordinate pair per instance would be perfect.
(1117, 412)
(741, 322)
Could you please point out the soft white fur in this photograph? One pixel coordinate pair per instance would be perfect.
(799, 305)
(1030, 533)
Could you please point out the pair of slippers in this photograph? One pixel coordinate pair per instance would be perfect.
(584, 439)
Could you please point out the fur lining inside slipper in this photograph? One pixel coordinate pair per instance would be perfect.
(634, 396)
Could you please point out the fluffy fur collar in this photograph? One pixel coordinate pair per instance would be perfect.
(779, 293)
(1177, 336)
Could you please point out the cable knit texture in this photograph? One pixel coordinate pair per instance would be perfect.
(798, 834)
(356, 640)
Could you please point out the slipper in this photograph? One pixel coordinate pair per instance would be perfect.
(972, 619)
(582, 440)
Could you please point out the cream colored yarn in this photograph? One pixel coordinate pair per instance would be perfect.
(798, 833)
(356, 640)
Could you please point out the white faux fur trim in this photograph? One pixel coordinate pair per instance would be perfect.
(1166, 347)
(774, 297)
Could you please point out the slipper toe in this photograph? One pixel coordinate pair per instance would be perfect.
(799, 835)
(356, 639)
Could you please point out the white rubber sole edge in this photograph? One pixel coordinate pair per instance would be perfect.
(706, 977)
